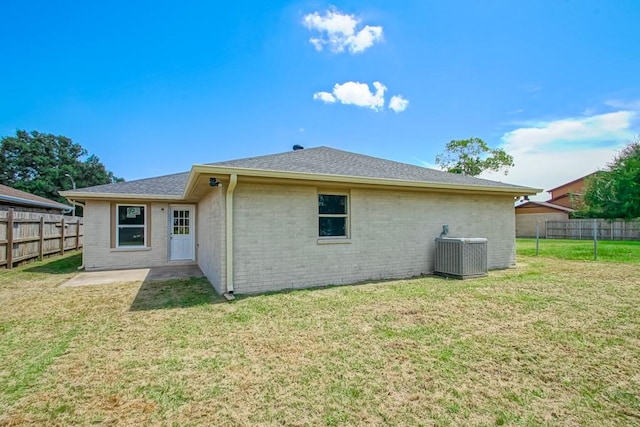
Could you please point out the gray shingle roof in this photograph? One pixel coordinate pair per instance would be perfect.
(319, 160)
(325, 160)
(166, 185)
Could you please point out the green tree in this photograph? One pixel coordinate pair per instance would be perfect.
(472, 157)
(615, 191)
(38, 163)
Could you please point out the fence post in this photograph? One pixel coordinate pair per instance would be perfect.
(78, 234)
(62, 237)
(10, 239)
(580, 230)
(546, 227)
(537, 237)
(595, 239)
(41, 243)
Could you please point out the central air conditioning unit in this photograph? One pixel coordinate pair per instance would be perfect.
(461, 257)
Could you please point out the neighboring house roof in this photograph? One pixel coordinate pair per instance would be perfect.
(568, 194)
(532, 203)
(567, 200)
(566, 184)
(318, 164)
(12, 196)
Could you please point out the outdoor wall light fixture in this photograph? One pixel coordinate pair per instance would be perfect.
(213, 182)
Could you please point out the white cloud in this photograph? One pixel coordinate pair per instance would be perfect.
(398, 103)
(548, 154)
(325, 97)
(317, 43)
(364, 39)
(340, 31)
(624, 105)
(609, 126)
(355, 93)
(360, 95)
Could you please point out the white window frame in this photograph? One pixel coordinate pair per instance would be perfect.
(118, 226)
(346, 216)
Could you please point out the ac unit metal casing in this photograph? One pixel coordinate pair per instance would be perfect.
(461, 257)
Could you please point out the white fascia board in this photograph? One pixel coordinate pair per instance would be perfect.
(222, 170)
(76, 195)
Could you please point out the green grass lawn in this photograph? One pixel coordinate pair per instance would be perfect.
(610, 251)
(551, 342)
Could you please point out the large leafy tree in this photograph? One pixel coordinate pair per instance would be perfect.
(615, 191)
(38, 163)
(472, 157)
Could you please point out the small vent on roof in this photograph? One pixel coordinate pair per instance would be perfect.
(298, 147)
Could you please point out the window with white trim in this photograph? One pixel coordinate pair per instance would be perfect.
(333, 215)
(131, 226)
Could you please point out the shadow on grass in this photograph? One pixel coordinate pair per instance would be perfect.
(178, 293)
(63, 265)
(345, 286)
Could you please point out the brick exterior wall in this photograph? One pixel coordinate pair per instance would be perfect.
(526, 222)
(98, 254)
(211, 237)
(392, 235)
(276, 243)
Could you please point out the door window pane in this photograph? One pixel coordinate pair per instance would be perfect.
(181, 222)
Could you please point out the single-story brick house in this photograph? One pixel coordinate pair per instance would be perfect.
(297, 219)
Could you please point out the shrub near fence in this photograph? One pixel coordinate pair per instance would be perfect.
(582, 229)
(28, 235)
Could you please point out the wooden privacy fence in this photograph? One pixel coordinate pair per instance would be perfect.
(29, 235)
(582, 229)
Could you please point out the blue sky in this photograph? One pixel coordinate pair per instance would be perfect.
(154, 87)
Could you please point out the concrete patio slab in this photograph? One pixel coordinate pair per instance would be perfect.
(89, 278)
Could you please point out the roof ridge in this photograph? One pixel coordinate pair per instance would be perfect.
(152, 177)
(263, 156)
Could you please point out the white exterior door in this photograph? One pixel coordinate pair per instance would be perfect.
(181, 233)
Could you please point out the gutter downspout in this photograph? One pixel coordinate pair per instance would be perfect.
(229, 234)
(76, 203)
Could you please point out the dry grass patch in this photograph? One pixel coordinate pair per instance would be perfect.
(552, 343)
